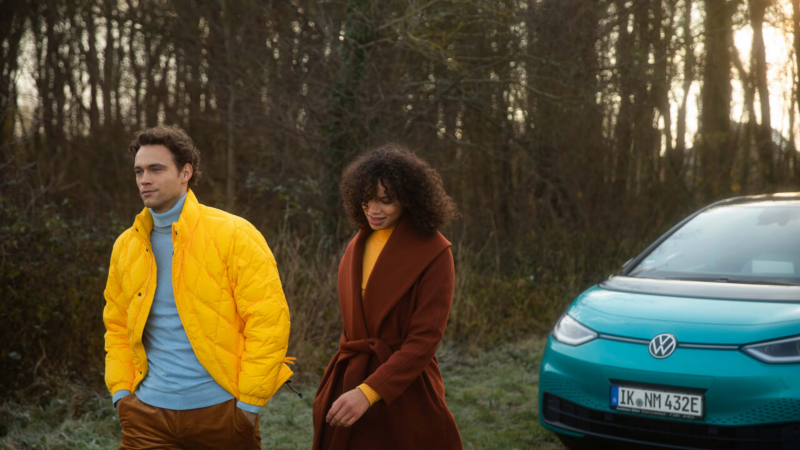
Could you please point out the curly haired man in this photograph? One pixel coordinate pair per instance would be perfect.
(197, 325)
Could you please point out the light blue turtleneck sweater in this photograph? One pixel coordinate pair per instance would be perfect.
(175, 379)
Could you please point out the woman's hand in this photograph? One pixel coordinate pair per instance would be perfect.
(348, 408)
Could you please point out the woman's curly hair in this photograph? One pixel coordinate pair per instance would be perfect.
(407, 179)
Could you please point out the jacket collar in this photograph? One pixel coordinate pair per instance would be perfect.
(181, 230)
(400, 264)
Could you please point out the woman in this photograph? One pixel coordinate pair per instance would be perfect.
(383, 388)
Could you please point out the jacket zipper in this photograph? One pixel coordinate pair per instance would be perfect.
(139, 309)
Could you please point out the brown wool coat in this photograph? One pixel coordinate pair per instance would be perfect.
(389, 342)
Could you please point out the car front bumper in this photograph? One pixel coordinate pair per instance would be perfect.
(746, 401)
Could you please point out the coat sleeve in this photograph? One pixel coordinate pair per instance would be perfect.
(261, 304)
(434, 296)
(119, 372)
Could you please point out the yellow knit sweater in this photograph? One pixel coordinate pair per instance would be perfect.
(372, 249)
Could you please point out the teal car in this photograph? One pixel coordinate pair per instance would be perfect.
(694, 344)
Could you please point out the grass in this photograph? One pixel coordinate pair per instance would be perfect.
(492, 394)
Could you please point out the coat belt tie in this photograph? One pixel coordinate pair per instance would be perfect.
(380, 348)
(355, 354)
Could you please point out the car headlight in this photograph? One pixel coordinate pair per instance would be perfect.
(780, 351)
(570, 331)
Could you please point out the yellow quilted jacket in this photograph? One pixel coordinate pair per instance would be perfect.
(228, 294)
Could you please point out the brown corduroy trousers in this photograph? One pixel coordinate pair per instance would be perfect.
(221, 426)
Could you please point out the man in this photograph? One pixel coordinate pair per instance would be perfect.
(196, 322)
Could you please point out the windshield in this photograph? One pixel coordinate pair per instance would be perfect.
(748, 243)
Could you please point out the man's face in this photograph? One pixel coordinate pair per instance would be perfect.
(160, 182)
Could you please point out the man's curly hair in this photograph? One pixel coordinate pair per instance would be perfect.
(407, 179)
(177, 141)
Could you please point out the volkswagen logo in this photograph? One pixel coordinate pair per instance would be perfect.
(662, 345)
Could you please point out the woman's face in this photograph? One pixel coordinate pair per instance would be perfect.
(382, 211)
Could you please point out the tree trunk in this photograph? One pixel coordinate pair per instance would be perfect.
(623, 133)
(751, 127)
(764, 141)
(715, 121)
(134, 18)
(342, 132)
(646, 145)
(108, 67)
(230, 149)
(663, 80)
(796, 32)
(688, 78)
(567, 138)
(93, 67)
(12, 26)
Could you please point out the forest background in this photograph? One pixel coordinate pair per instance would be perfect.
(569, 132)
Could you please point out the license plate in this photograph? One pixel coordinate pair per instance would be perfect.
(656, 402)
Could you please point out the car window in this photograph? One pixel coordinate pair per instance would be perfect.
(751, 243)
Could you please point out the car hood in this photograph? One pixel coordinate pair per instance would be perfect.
(700, 320)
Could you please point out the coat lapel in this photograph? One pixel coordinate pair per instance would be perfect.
(400, 264)
(350, 272)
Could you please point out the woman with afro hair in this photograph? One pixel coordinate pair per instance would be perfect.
(383, 388)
